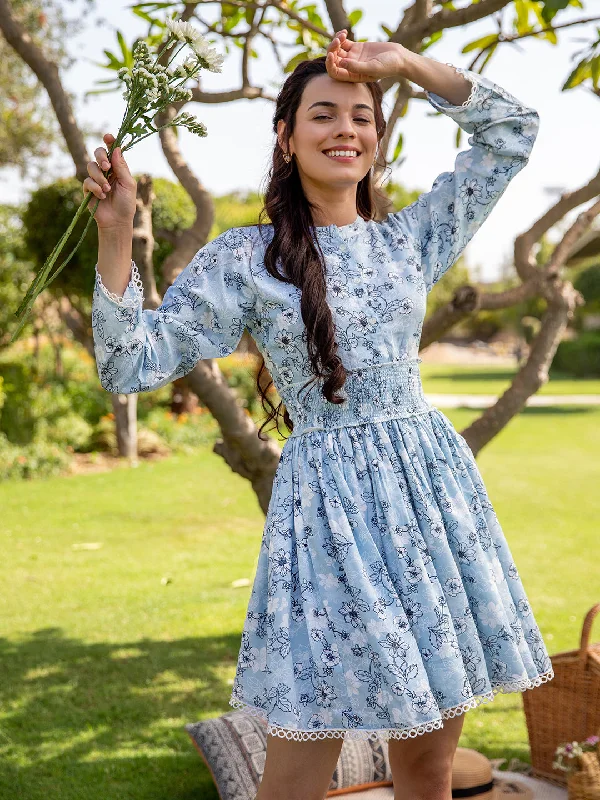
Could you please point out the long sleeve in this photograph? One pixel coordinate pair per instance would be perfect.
(443, 220)
(203, 315)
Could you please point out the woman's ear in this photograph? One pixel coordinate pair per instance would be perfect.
(280, 132)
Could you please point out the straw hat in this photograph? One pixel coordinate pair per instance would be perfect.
(472, 777)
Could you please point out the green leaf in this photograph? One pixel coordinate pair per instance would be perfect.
(114, 81)
(489, 54)
(230, 19)
(459, 133)
(480, 44)
(580, 73)
(113, 61)
(154, 6)
(99, 91)
(398, 148)
(596, 71)
(355, 17)
(522, 9)
(145, 16)
(432, 40)
(388, 31)
(307, 37)
(123, 45)
(302, 56)
(551, 8)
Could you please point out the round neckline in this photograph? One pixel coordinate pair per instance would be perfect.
(350, 226)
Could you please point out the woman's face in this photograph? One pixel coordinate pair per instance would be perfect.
(333, 115)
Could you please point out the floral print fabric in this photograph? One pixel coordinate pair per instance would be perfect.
(386, 598)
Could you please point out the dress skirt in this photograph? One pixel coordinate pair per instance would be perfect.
(386, 598)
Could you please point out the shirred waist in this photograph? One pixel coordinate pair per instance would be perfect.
(372, 394)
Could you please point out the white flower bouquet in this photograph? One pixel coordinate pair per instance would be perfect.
(566, 756)
(150, 87)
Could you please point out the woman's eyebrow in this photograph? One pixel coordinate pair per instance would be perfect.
(335, 105)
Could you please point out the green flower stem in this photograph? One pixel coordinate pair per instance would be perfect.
(75, 249)
(48, 264)
(33, 291)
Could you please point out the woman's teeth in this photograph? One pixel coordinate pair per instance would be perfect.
(348, 153)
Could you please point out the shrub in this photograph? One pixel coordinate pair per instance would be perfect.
(41, 406)
(239, 370)
(579, 357)
(35, 460)
(183, 432)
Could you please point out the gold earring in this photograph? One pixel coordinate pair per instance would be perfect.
(287, 157)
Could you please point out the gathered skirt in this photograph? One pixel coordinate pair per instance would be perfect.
(386, 598)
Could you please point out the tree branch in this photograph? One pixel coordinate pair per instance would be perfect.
(243, 93)
(192, 239)
(410, 33)
(47, 73)
(525, 263)
(446, 18)
(338, 17)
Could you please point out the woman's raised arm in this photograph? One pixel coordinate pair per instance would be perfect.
(443, 220)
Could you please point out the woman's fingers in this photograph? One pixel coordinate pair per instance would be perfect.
(121, 169)
(90, 185)
(101, 157)
(97, 175)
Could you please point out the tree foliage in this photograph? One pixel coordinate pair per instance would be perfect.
(15, 269)
(28, 128)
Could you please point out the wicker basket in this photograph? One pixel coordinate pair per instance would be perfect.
(567, 708)
(585, 783)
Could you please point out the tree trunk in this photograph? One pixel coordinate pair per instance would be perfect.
(125, 411)
(183, 400)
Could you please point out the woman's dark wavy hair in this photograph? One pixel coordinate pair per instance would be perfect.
(293, 246)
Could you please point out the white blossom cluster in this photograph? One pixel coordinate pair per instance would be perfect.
(150, 86)
(186, 32)
(190, 122)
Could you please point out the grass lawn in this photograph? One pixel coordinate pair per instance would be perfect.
(106, 653)
(464, 379)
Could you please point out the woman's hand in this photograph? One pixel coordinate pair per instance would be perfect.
(363, 61)
(117, 193)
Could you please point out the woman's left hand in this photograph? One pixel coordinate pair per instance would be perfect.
(363, 61)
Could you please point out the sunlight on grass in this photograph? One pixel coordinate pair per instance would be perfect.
(477, 379)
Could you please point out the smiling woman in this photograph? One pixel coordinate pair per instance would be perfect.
(345, 121)
(386, 601)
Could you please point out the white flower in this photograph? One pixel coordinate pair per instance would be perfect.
(214, 60)
(184, 31)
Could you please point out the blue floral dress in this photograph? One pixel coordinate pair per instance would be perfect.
(386, 598)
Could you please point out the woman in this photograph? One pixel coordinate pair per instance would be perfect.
(386, 601)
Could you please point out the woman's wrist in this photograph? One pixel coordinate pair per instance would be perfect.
(116, 232)
(435, 77)
(114, 266)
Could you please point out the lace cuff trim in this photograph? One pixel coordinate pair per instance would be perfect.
(392, 733)
(135, 283)
(474, 88)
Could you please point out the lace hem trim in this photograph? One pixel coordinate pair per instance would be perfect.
(135, 282)
(391, 733)
(474, 88)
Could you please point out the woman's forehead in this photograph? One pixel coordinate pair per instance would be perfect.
(343, 94)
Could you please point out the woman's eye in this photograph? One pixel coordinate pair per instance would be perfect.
(358, 119)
